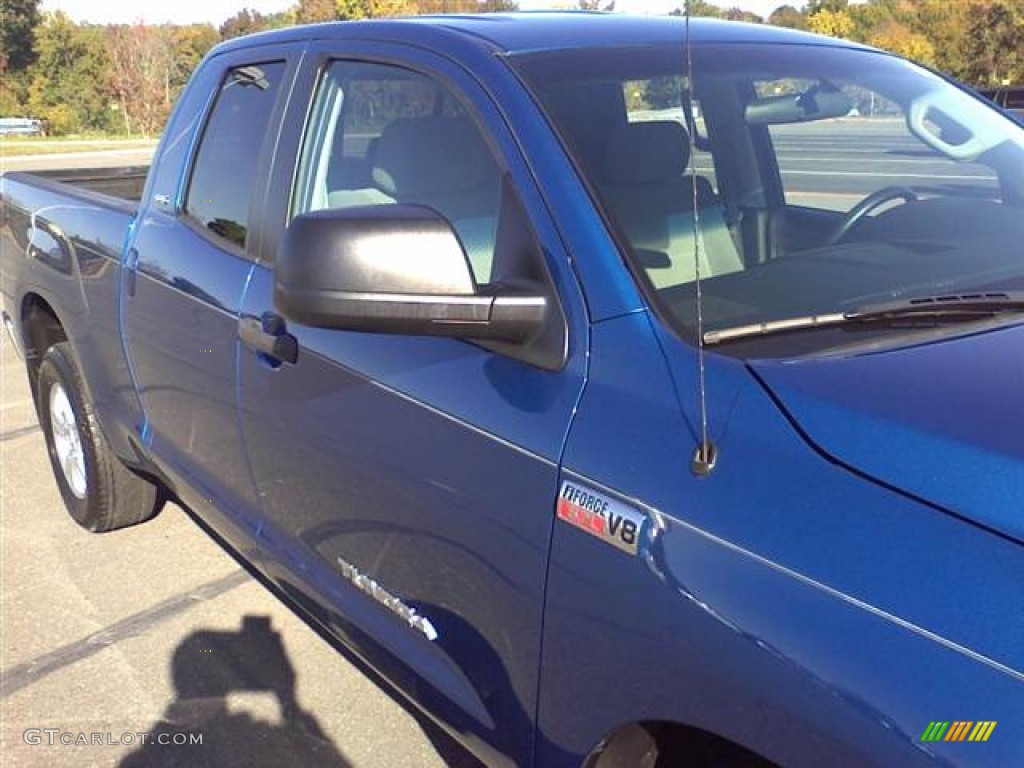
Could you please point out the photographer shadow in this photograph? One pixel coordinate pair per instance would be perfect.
(199, 728)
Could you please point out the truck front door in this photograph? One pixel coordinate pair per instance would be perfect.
(408, 483)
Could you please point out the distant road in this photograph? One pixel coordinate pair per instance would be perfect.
(104, 158)
(834, 164)
(830, 164)
(842, 161)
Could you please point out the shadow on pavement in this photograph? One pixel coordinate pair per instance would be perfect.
(209, 666)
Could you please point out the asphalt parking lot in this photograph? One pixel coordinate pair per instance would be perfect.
(155, 630)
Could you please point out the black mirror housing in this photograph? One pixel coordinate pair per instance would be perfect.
(392, 269)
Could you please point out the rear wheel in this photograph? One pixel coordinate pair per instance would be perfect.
(100, 493)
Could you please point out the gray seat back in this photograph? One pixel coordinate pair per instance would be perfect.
(648, 192)
(443, 163)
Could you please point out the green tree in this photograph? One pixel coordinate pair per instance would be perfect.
(832, 6)
(281, 19)
(699, 8)
(67, 85)
(663, 92)
(738, 14)
(18, 22)
(787, 16)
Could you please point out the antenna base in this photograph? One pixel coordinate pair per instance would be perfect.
(704, 459)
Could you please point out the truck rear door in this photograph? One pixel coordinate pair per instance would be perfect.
(408, 483)
(186, 268)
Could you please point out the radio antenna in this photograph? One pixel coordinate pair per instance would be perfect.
(706, 455)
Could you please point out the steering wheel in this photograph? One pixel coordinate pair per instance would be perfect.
(868, 204)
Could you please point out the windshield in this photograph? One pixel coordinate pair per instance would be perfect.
(822, 179)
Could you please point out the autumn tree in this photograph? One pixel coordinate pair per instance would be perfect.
(354, 10)
(901, 40)
(245, 22)
(464, 6)
(382, 9)
(191, 43)
(312, 11)
(942, 22)
(376, 9)
(142, 67)
(994, 44)
(832, 23)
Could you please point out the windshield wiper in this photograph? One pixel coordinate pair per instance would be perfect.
(929, 310)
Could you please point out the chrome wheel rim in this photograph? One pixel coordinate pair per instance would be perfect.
(67, 441)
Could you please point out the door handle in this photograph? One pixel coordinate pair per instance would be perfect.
(131, 266)
(268, 336)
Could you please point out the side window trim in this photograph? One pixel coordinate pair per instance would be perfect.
(290, 57)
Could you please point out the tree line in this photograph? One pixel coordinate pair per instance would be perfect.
(123, 79)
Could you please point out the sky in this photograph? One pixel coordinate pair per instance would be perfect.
(216, 11)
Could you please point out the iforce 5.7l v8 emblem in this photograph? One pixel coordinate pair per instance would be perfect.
(611, 521)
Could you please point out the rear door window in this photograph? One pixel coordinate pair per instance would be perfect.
(225, 167)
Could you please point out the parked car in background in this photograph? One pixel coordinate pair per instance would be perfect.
(607, 433)
(21, 126)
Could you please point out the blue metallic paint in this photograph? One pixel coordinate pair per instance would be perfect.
(794, 601)
(429, 464)
(833, 616)
(179, 331)
(941, 421)
(63, 247)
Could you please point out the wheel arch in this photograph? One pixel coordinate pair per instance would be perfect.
(651, 743)
(40, 328)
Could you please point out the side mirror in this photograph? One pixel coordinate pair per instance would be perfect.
(393, 269)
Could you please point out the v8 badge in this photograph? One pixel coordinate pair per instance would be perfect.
(599, 515)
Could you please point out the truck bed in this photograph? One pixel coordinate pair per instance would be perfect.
(126, 182)
(61, 237)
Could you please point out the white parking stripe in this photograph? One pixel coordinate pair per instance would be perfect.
(873, 175)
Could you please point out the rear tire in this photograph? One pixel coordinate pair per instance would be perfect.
(100, 493)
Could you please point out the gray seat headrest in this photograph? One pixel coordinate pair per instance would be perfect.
(429, 155)
(640, 153)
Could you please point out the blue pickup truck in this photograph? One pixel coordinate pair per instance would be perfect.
(627, 392)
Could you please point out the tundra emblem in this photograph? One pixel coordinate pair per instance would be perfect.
(405, 612)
